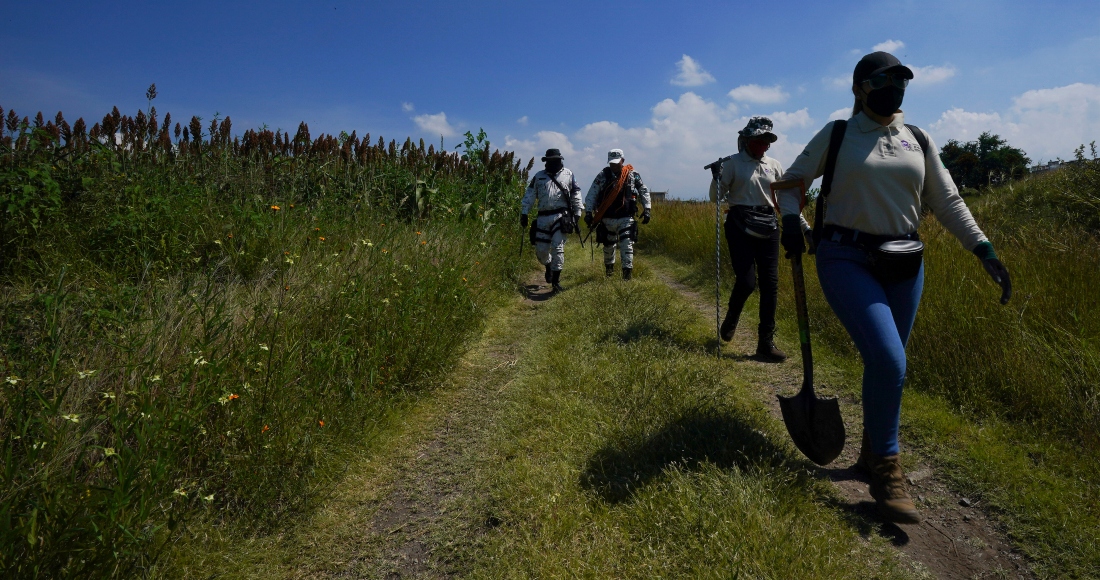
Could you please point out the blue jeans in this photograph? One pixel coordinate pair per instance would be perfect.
(879, 318)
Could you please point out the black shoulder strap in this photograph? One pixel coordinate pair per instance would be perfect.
(568, 198)
(835, 139)
(919, 136)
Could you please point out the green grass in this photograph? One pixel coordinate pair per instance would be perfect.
(629, 451)
(204, 329)
(1003, 398)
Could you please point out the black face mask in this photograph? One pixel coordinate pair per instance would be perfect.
(554, 165)
(885, 101)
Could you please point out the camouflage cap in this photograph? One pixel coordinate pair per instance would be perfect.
(759, 127)
(615, 156)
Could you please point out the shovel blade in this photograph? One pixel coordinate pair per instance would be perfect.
(815, 425)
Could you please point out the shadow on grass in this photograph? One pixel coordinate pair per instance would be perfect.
(723, 439)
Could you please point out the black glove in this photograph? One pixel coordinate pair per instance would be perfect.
(809, 235)
(522, 220)
(588, 219)
(645, 216)
(791, 238)
(999, 273)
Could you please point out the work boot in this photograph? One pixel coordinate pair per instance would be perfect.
(626, 273)
(889, 490)
(608, 269)
(729, 325)
(554, 281)
(549, 276)
(766, 349)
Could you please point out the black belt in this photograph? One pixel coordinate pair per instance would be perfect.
(759, 208)
(842, 235)
(553, 211)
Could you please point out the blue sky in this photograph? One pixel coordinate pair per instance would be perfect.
(670, 83)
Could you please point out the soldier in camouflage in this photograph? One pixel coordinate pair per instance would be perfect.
(616, 198)
(559, 201)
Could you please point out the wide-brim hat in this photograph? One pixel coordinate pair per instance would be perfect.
(879, 62)
(552, 154)
(759, 128)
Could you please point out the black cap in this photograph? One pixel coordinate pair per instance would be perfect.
(878, 62)
(552, 154)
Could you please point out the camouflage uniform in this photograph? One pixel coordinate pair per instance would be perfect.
(620, 228)
(549, 238)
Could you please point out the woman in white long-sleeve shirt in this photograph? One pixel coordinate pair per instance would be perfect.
(881, 178)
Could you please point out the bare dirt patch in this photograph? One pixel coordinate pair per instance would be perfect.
(956, 538)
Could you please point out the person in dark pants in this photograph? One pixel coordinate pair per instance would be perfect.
(752, 232)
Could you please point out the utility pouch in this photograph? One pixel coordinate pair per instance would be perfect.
(754, 222)
(566, 222)
(896, 261)
(601, 234)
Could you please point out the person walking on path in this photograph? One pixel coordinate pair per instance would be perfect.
(752, 232)
(614, 196)
(559, 202)
(878, 174)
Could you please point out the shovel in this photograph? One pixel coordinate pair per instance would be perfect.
(815, 424)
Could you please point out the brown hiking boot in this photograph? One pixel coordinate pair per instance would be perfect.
(889, 490)
(765, 347)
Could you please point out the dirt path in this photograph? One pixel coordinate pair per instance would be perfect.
(956, 539)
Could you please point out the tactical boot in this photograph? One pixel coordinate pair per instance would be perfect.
(766, 349)
(556, 287)
(608, 269)
(549, 275)
(888, 489)
(729, 325)
(626, 273)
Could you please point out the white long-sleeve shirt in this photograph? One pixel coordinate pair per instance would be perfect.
(881, 179)
(549, 196)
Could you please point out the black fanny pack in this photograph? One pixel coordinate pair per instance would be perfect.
(754, 221)
(896, 260)
(891, 258)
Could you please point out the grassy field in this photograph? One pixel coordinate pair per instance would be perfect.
(1004, 397)
(199, 325)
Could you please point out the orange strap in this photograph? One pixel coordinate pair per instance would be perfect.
(624, 174)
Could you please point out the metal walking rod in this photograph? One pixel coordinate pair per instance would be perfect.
(716, 172)
(717, 277)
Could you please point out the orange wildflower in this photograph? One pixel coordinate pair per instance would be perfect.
(321, 423)
(424, 243)
(322, 238)
(292, 206)
(234, 397)
(418, 233)
(265, 429)
(286, 253)
(230, 236)
(287, 287)
(276, 208)
(463, 279)
(316, 229)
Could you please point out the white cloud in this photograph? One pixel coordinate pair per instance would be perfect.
(435, 124)
(799, 119)
(889, 46)
(691, 73)
(838, 114)
(522, 120)
(670, 150)
(930, 75)
(407, 107)
(758, 94)
(840, 82)
(1045, 123)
